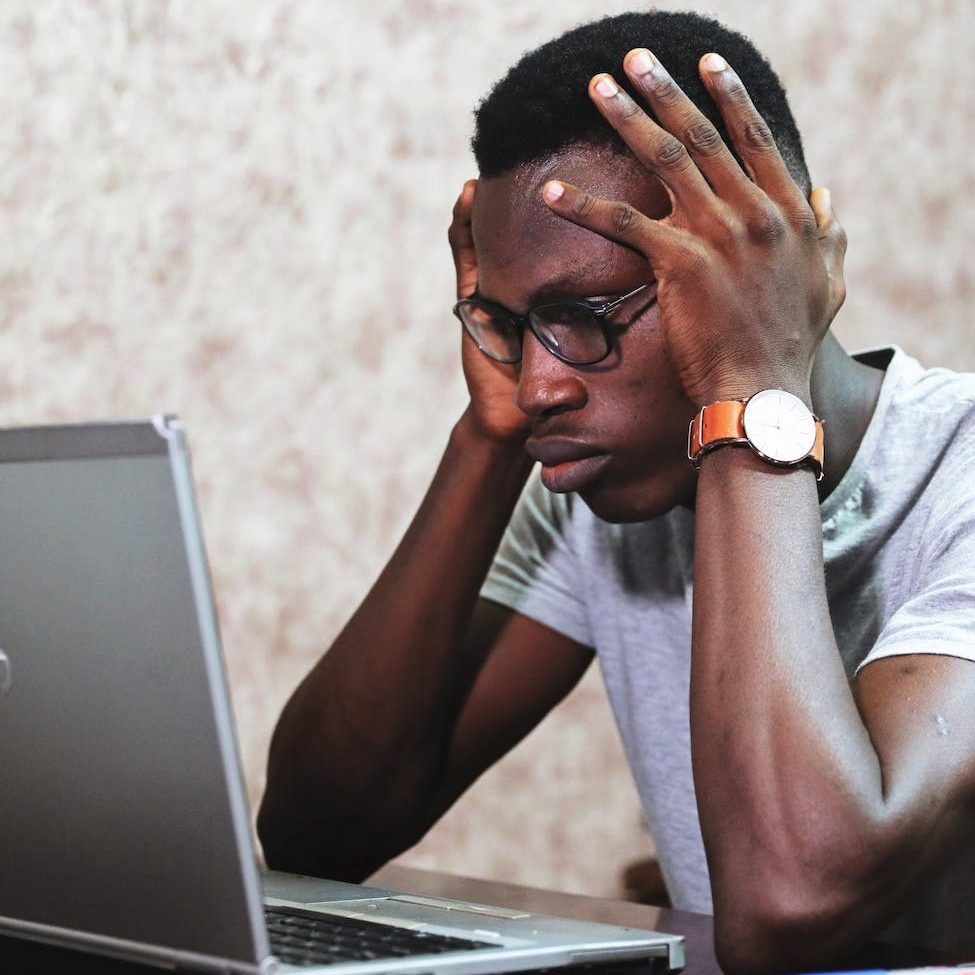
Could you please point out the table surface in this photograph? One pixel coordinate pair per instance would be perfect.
(697, 929)
(19, 956)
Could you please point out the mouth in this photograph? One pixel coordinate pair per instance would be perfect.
(567, 465)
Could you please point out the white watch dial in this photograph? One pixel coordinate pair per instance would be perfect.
(779, 426)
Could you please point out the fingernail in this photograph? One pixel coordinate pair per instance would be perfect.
(553, 190)
(819, 199)
(606, 87)
(714, 62)
(641, 62)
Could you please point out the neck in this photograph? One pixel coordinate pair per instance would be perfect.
(844, 395)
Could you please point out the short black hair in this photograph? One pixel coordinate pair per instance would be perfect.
(542, 104)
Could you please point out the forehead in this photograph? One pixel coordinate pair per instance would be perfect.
(525, 250)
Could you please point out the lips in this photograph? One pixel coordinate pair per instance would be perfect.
(567, 465)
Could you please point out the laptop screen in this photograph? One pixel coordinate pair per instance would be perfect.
(122, 815)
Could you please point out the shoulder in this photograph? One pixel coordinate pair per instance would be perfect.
(922, 445)
(917, 392)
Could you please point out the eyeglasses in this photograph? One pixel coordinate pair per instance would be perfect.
(573, 331)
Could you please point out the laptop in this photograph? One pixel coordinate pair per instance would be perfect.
(124, 825)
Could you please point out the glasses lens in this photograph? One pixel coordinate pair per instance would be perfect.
(491, 328)
(571, 331)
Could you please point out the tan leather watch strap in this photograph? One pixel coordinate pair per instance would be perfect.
(714, 425)
(722, 423)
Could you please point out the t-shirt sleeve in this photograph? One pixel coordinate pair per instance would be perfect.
(536, 569)
(939, 615)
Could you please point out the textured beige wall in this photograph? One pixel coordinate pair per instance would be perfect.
(236, 211)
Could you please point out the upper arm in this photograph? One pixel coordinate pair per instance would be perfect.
(527, 669)
(918, 710)
(916, 690)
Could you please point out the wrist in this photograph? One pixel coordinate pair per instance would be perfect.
(738, 457)
(745, 389)
(743, 385)
(775, 424)
(474, 431)
(469, 436)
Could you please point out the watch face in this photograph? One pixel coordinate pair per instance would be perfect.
(779, 426)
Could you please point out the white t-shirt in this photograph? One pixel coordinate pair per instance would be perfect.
(899, 549)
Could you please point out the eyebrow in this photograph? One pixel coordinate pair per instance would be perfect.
(553, 289)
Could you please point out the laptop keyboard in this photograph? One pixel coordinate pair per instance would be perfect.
(300, 938)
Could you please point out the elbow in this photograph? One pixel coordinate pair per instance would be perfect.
(760, 941)
(792, 923)
(329, 846)
(286, 844)
(341, 826)
(775, 916)
(291, 844)
(304, 856)
(810, 897)
(776, 936)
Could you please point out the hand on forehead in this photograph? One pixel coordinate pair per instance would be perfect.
(524, 248)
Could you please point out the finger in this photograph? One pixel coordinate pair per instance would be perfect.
(832, 244)
(750, 135)
(662, 153)
(461, 239)
(681, 117)
(665, 247)
(821, 201)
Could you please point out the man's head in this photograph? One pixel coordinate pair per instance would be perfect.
(614, 431)
(541, 106)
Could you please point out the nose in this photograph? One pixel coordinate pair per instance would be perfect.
(547, 385)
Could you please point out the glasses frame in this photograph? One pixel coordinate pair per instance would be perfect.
(600, 312)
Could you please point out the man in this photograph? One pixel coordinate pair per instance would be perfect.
(790, 660)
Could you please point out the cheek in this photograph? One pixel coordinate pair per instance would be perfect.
(647, 390)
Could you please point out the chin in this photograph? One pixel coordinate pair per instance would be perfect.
(627, 504)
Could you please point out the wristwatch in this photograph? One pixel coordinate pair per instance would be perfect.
(776, 425)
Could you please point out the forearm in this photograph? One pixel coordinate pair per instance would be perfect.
(790, 790)
(360, 747)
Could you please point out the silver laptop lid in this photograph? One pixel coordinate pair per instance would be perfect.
(123, 822)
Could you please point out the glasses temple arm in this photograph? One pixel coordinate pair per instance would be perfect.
(611, 306)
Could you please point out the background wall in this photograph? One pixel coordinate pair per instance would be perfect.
(237, 210)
